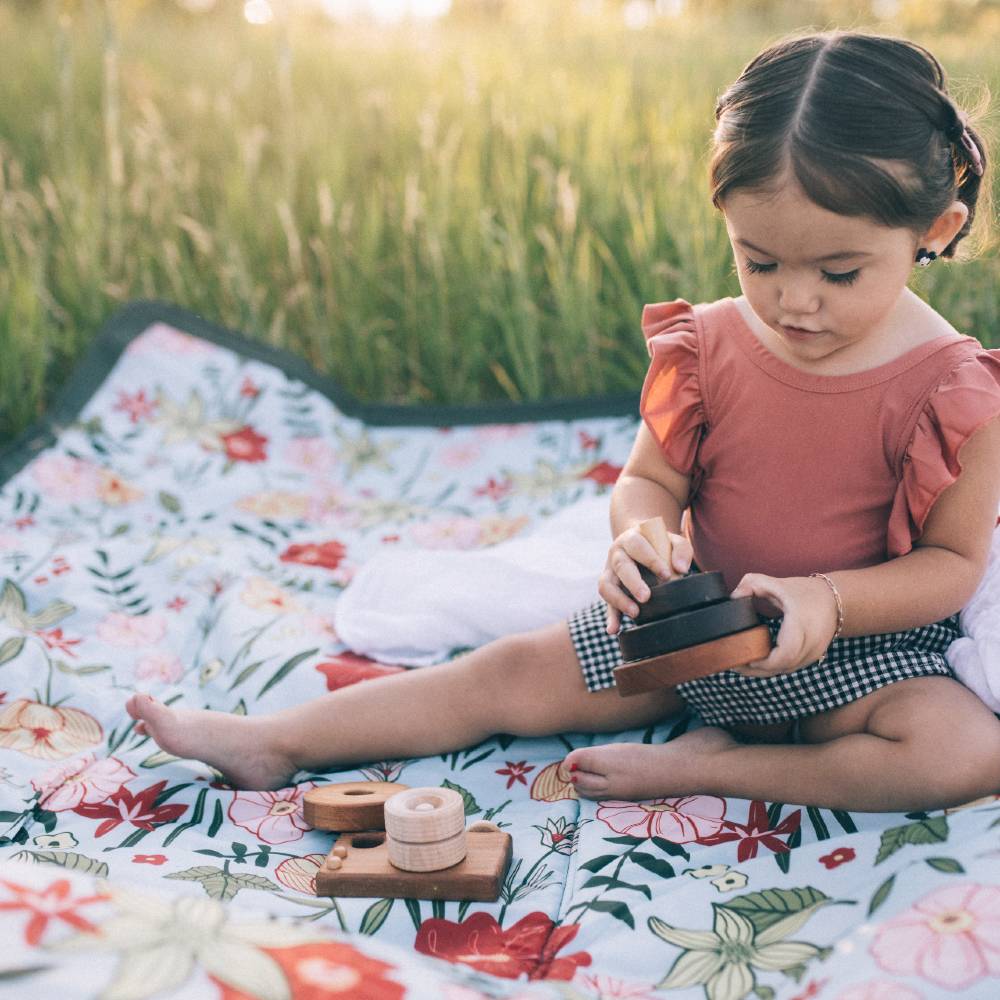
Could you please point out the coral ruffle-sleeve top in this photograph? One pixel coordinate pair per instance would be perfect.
(794, 473)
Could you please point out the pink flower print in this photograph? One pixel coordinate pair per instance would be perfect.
(137, 406)
(273, 817)
(682, 821)
(608, 988)
(164, 341)
(950, 937)
(312, 454)
(63, 478)
(493, 489)
(86, 779)
(879, 989)
(160, 667)
(133, 631)
(460, 454)
(448, 533)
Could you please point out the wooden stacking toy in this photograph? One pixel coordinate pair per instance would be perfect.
(417, 848)
(689, 627)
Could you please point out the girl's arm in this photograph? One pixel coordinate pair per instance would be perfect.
(934, 580)
(647, 487)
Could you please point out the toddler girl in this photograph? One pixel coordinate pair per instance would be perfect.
(832, 440)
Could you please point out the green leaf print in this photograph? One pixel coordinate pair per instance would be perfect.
(11, 648)
(785, 910)
(947, 865)
(285, 669)
(618, 910)
(933, 830)
(881, 894)
(471, 806)
(65, 859)
(220, 884)
(653, 864)
(375, 916)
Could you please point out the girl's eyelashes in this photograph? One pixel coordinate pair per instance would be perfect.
(843, 278)
(753, 267)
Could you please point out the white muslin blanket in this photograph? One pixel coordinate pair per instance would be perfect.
(415, 606)
(975, 657)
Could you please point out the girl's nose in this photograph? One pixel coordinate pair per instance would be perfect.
(799, 298)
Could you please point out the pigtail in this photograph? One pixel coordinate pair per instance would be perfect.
(968, 151)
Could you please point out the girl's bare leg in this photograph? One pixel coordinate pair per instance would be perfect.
(527, 685)
(922, 743)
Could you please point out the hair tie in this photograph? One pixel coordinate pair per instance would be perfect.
(972, 151)
(958, 135)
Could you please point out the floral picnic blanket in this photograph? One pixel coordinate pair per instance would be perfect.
(182, 523)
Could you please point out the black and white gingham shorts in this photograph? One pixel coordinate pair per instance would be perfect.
(853, 668)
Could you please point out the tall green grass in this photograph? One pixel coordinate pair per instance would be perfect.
(458, 214)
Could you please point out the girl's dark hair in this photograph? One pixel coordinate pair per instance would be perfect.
(864, 122)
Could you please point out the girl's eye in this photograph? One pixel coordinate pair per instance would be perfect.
(754, 268)
(844, 278)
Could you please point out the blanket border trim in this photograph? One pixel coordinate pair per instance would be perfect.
(135, 318)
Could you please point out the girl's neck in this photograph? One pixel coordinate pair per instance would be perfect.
(911, 323)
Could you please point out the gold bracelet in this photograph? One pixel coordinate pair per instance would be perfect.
(840, 611)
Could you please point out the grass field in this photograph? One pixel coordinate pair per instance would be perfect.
(455, 214)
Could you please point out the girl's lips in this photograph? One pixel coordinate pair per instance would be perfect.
(797, 333)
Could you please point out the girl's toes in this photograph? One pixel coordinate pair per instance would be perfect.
(590, 786)
(580, 761)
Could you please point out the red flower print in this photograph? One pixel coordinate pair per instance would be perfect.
(137, 406)
(325, 554)
(124, 807)
(528, 948)
(54, 640)
(813, 989)
(604, 473)
(51, 903)
(587, 441)
(249, 388)
(493, 489)
(177, 604)
(148, 859)
(24, 522)
(349, 668)
(516, 771)
(326, 970)
(756, 831)
(838, 857)
(245, 445)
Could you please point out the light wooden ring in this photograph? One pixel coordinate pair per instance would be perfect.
(430, 857)
(422, 815)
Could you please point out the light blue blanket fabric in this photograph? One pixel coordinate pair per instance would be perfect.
(183, 524)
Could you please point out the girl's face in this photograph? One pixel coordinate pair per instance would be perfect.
(825, 285)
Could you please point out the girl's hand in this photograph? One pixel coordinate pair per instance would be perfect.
(810, 621)
(620, 583)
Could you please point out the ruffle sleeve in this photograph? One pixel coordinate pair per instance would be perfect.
(671, 402)
(966, 399)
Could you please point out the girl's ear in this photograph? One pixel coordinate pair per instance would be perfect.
(945, 227)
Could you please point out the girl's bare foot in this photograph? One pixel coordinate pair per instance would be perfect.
(646, 771)
(239, 746)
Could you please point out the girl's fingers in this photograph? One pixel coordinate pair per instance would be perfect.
(614, 620)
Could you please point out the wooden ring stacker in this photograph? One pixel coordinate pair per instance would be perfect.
(378, 864)
(425, 829)
(688, 628)
(349, 805)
